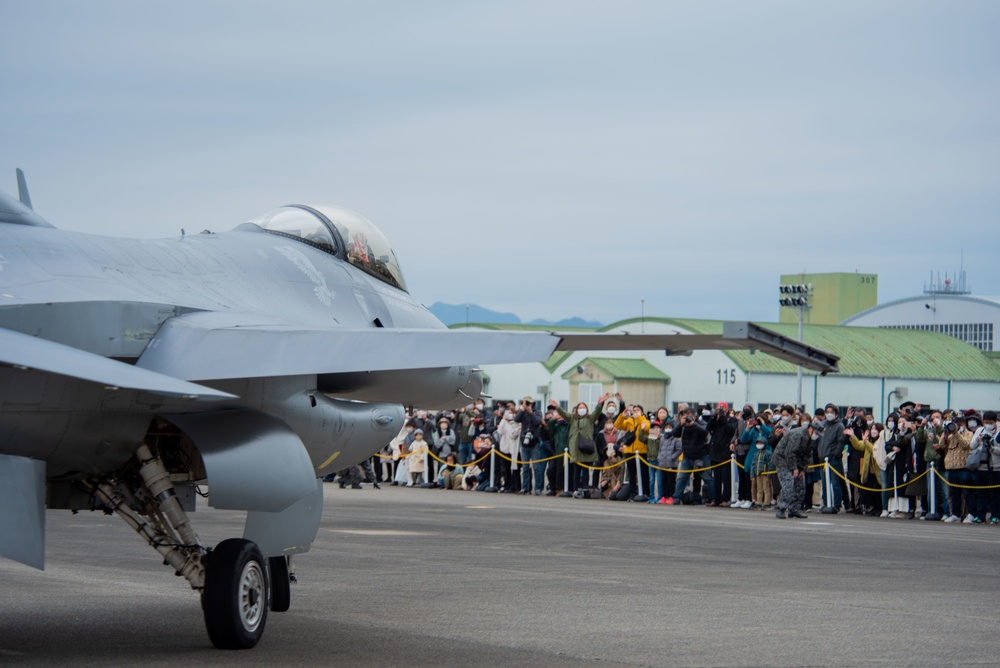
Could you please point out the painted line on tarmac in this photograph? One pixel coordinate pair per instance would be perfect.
(382, 532)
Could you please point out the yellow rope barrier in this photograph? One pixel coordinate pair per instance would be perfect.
(951, 484)
(401, 457)
(604, 468)
(877, 489)
(530, 461)
(840, 475)
(660, 468)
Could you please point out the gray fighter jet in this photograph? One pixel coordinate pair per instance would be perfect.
(250, 363)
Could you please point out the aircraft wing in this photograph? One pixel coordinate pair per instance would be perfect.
(735, 336)
(28, 352)
(217, 346)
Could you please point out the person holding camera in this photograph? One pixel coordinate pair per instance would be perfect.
(531, 427)
(955, 446)
(467, 422)
(830, 447)
(635, 425)
(722, 429)
(756, 430)
(898, 454)
(983, 498)
(694, 446)
(559, 429)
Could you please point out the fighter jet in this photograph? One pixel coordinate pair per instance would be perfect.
(136, 373)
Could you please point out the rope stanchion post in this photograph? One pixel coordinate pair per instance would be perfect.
(734, 481)
(932, 484)
(493, 470)
(565, 491)
(640, 496)
(828, 490)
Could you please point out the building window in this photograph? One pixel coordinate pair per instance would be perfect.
(590, 393)
(979, 335)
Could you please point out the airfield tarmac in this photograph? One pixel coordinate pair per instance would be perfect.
(412, 577)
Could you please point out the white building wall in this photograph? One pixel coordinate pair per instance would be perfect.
(981, 396)
(937, 311)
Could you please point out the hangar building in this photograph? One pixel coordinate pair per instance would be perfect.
(879, 368)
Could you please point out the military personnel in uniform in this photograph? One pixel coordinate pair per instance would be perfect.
(791, 458)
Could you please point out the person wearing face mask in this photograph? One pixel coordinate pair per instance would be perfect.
(559, 428)
(415, 461)
(582, 427)
(899, 443)
(791, 461)
(991, 440)
(655, 489)
(531, 439)
(928, 436)
(869, 472)
(444, 439)
(982, 440)
(741, 450)
(831, 444)
(633, 420)
(756, 431)
(669, 457)
(757, 465)
(722, 430)
(694, 445)
(855, 421)
(954, 445)
(509, 432)
(466, 422)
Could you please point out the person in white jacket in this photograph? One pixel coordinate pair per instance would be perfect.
(510, 438)
(984, 441)
(416, 460)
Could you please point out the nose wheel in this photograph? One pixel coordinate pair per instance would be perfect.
(235, 598)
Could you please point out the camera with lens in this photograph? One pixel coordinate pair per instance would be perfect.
(950, 427)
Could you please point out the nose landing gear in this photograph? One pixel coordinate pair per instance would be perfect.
(235, 579)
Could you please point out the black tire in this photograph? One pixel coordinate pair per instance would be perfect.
(281, 586)
(235, 597)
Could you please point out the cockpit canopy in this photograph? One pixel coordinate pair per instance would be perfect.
(339, 232)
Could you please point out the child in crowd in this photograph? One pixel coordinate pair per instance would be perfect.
(451, 474)
(611, 478)
(758, 463)
(415, 461)
(653, 457)
(670, 459)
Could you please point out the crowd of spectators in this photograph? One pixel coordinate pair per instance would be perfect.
(623, 452)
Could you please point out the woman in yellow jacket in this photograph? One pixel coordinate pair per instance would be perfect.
(633, 421)
(870, 472)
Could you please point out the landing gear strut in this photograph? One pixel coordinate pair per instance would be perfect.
(233, 578)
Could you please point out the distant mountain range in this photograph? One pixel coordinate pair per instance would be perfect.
(451, 314)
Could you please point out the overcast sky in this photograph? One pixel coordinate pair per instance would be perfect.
(546, 158)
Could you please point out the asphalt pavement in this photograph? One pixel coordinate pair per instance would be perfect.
(415, 577)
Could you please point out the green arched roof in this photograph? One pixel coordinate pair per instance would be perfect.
(863, 351)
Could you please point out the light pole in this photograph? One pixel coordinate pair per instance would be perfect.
(797, 297)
